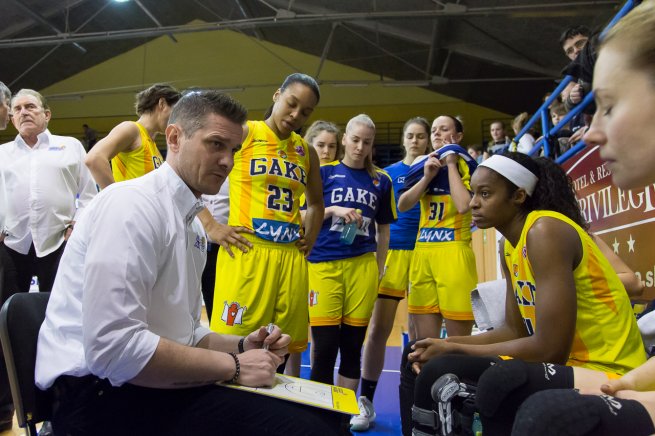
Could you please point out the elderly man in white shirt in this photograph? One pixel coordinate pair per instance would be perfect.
(47, 185)
(122, 348)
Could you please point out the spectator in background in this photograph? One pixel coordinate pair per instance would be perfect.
(526, 142)
(499, 139)
(45, 179)
(557, 112)
(573, 41)
(476, 152)
(90, 137)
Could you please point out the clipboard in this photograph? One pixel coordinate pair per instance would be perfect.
(311, 393)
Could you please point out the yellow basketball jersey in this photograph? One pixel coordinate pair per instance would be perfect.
(440, 221)
(606, 334)
(132, 164)
(268, 179)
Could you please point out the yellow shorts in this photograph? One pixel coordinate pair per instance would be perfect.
(395, 280)
(343, 291)
(442, 278)
(267, 284)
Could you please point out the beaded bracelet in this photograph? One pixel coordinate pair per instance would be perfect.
(238, 367)
(240, 346)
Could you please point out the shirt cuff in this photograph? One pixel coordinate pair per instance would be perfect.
(134, 358)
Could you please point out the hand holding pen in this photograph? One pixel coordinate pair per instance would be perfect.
(269, 329)
(270, 338)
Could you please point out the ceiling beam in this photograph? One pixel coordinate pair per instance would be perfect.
(153, 18)
(43, 21)
(246, 14)
(434, 41)
(52, 50)
(326, 49)
(20, 26)
(296, 19)
(383, 50)
(496, 57)
(434, 46)
(397, 32)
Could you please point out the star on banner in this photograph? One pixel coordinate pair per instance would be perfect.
(615, 246)
(631, 244)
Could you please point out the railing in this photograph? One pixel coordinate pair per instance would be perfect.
(542, 113)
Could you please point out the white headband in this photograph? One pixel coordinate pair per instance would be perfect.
(512, 171)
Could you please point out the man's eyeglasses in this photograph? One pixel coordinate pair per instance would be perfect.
(579, 45)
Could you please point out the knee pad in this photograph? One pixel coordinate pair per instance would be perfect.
(424, 421)
(350, 369)
(498, 382)
(512, 381)
(446, 420)
(448, 387)
(562, 412)
(566, 412)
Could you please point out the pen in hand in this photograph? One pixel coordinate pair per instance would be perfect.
(269, 330)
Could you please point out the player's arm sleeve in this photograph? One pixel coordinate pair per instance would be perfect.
(387, 212)
(414, 174)
(465, 172)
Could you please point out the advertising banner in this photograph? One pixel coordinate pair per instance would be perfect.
(624, 219)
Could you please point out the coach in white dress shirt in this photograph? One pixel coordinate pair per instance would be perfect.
(122, 349)
(47, 185)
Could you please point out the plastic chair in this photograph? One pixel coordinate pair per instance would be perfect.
(20, 320)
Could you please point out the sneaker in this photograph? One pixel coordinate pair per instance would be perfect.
(366, 415)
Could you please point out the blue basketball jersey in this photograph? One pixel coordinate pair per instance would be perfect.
(403, 231)
(438, 185)
(353, 188)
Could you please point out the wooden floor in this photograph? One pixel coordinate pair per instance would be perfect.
(395, 339)
(15, 431)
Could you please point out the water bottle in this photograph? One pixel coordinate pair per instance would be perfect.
(477, 425)
(349, 231)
